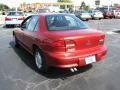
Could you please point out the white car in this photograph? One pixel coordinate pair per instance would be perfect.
(83, 15)
(96, 14)
(116, 13)
(14, 18)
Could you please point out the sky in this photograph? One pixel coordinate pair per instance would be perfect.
(16, 3)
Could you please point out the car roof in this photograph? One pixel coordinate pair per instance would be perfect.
(46, 14)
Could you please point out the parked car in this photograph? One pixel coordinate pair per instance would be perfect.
(83, 15)
(60, 40)
(14, 18)
(63, 11)
(96, 14)
(43, 10)
(107, 12)
(29, 14)
(116, 13)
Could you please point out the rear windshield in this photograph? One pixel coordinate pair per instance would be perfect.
(15, 14)
(95, 11)
(64, 22)
(83, 11)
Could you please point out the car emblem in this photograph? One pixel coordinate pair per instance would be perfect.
(88, 43)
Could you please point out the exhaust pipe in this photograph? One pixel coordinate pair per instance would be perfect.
(73, 69)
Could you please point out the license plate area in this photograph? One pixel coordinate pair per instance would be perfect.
(14, 19)
(90, 59)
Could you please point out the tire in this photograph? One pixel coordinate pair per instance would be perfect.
(7, 26)
(111, 17)
(87, 19)
(39, 61)
(105, 17)
(15, 41)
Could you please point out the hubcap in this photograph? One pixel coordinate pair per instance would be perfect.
(38, 60)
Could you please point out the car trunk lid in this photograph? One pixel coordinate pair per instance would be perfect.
(79, 39)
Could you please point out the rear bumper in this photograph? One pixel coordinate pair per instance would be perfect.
(97, 16)
(13, 22)
(69, 60)
(109, 15)
(85, 17)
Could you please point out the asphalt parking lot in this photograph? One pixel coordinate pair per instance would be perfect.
(18, 71)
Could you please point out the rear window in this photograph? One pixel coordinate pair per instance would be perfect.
(15, 14)
(64, 22)
(96, 11)
(83, 11)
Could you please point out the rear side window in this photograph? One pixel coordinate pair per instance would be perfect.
(64, 22)
(33, 22)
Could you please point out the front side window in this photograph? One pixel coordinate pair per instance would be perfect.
(64, 22)
(36, 27)
(26, 22)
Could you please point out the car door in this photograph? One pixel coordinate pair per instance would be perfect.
(23, 28)
(20, 31)
(30, 33)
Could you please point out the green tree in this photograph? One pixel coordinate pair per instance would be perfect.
(64, 1)
(82, 6)
(87, 7)
(3, 7)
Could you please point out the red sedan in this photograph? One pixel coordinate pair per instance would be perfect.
(108, 14)
(60, 40)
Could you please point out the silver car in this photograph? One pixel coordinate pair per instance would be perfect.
(83, 15)
(96, 14)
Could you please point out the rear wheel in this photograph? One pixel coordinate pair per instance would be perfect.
(15, 41)
(87, 19)
(39, 61)
(7, 26)
(105, 17)
(111, 17)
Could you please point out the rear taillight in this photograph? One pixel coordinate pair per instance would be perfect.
(21, 18)
(70, 46)
(101, 41)
(7, 19)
